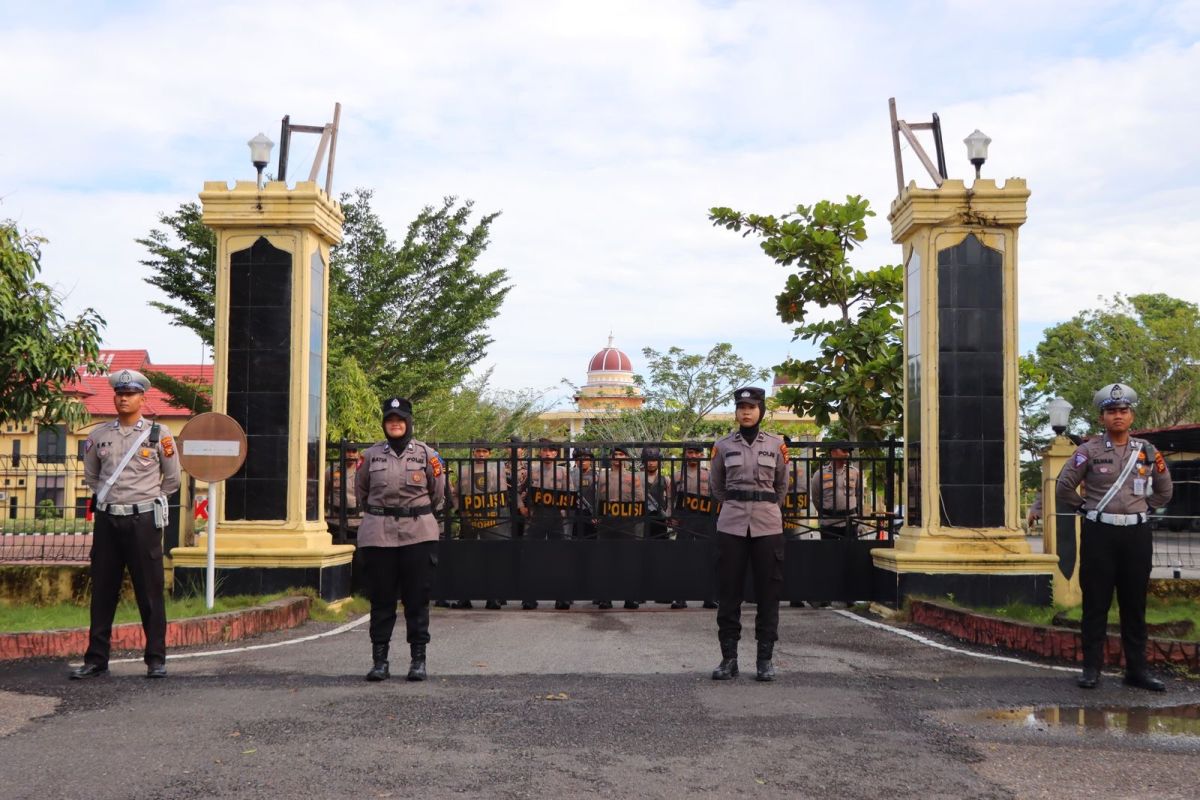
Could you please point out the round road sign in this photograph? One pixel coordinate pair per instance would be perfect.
(212, 446)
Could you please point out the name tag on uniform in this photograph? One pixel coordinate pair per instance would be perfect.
(1139, 485)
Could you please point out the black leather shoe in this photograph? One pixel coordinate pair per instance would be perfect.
(1140, 680)
(766, 670)
(492, 605)
(726, 670)
(604, 604)
(679, 604)
(710, 604)
(463, 604)
(379, 657)
(1088, 679)
(156, 670)
(441, 603)
(561, 605)
(88, 671)
(632, 605)
(528, 605)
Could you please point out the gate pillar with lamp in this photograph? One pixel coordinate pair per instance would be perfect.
(269, 359)
(962, 534)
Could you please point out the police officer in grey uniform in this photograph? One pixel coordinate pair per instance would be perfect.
(131, 466)
(482, 488)
(836, 490)
(748, 476)
(1123, 479)
(398, 486)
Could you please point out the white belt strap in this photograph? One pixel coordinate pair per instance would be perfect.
(108, 484)
(1135, 448)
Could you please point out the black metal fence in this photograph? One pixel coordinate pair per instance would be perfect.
(45, 510)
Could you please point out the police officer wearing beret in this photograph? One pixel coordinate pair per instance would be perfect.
(398, 486)
(131, 466)
(749, 477)
(1123, 479)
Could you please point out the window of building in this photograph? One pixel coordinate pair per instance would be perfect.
(12, 508)
(16, 451)
(48, 492)
(52, 444)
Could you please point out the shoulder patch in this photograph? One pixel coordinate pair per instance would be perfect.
(1160, 464)
(783, 449)
(168, 446)
(1080, 459)
(436, 463)
(87, 444)
(712, 453)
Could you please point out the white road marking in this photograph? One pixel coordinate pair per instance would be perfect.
(176, 656)
(916, 637)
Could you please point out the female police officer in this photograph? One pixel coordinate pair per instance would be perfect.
(398, 485)
(748, 476)
(1123, 478)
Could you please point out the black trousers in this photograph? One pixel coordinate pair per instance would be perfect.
(118, 543)
(1115, 557)
(764, 556)
(698, 530)
(404, 573)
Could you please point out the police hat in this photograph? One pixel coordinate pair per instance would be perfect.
(397, 406)
(750, 394)
(701, 446)
(548, 444)
(128, 380)
(651, 454)
(620, 450)
(478, 445)
(584, 452)
(1115, 395)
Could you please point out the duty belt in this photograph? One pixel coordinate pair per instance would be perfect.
(397, 513)
(125, 509)
(742, 494)
(1118, 519)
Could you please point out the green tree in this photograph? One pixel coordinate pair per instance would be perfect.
(352, 405)
(41, 351)
(682, 388)
(183, 263)
(414, 313)
(1148, 341)
(189, 393)
(1033, 421)
(857, 374)
(473, 411)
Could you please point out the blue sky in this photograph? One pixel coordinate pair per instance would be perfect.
(603, 132)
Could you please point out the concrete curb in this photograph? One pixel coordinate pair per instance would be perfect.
(1043, 641)
(283, 614)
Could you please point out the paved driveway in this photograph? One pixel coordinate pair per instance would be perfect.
(576, 704)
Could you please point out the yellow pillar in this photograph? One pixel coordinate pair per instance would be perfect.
(962, 533)
(1060, 535)
(271, 329)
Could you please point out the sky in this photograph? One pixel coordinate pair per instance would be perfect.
(604, 132)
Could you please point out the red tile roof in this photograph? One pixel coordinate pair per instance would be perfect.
(97, 395)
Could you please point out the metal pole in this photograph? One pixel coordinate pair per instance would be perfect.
(210, 576)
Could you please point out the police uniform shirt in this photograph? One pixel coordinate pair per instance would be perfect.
(1098, 463)
(620, 486)
(760, 466)
(835, 489)
(547, 475)
(153, 470)
(693, 480)
(409, 480)
(585, 484)
(482, 477)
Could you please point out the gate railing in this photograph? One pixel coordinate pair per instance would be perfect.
(623, 499)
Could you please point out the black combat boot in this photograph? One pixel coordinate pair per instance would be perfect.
(766, 670)
(728, 668)
(379, 654)
(416, 670)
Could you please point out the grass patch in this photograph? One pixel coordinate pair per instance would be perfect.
(1159, 611)
(17, 618)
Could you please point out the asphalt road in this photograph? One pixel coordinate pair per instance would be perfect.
(577, 704)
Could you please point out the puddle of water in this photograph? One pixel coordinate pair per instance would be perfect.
(1183, 720)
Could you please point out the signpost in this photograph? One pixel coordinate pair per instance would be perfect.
(212, 447)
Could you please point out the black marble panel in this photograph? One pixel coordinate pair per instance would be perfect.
(259, 358)
(970, 384)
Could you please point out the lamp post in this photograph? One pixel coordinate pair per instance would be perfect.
(1060, 414)
(977, 147)
(260, 154)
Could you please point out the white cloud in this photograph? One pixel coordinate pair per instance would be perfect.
(604, 132)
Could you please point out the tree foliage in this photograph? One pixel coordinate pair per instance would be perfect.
(41, 351)
(186, 271)
(857, 373)
(189, 393)
(352, 406)
(1148, 341)
(473, 411)
(414, 313)
(682, 388)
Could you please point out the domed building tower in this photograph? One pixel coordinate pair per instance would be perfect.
(610, 383)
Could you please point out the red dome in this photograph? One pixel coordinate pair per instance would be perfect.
(782, 380)
(610, 359)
